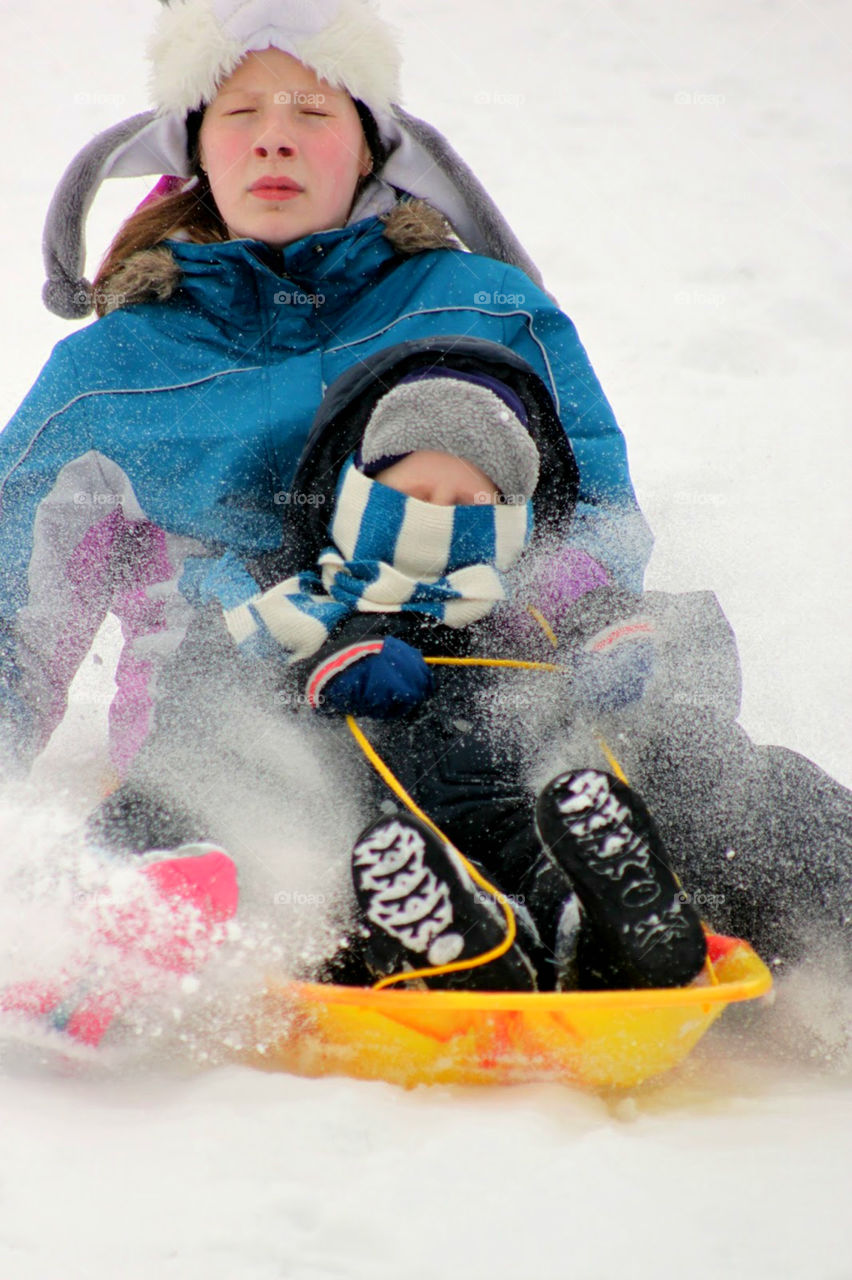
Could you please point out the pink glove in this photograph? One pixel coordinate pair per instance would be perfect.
(554, 585)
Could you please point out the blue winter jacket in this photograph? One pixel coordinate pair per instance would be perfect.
(169, 429)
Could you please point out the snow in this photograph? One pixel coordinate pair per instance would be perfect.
(261, 1177)
(680, 173)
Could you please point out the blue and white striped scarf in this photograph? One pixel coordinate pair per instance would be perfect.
(391, 554)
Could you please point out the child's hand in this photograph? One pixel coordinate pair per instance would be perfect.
(612, 668)
(380, 678)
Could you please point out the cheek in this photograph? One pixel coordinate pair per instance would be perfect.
(338, 159)
(229, 151)
(221, 152)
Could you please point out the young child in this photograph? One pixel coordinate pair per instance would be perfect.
(430, 513)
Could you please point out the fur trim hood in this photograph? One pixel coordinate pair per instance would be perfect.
(152, 275)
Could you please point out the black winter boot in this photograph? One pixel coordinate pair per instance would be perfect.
(599, 832)
(422, 909)
(134, 820)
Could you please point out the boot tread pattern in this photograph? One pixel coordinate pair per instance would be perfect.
(406, 898)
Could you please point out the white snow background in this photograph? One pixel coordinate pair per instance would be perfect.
(681, 173)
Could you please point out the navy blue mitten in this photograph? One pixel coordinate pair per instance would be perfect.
(379, 678)
(612, 669)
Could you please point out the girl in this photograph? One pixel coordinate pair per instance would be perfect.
(290, 252)
(306, 222)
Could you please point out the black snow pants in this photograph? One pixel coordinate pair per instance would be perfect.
(760, 837)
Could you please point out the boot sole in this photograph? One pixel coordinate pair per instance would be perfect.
(423, 909)
(600, 833)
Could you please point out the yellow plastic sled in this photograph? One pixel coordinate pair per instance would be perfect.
(591, 1038)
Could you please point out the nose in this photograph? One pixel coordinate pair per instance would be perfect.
(276, 148)
(440, 493)
(274, 138)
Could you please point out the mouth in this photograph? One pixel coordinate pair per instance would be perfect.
(269, 188)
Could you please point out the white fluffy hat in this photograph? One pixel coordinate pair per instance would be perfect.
(196, 44)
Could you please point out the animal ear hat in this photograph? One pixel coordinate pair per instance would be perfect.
(195, 45)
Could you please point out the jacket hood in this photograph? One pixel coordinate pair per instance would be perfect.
(153, 275)
(419, 163)
(348, 403)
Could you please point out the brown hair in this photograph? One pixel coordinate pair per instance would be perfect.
(192, 212)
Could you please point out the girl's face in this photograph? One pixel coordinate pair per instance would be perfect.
(283, 151)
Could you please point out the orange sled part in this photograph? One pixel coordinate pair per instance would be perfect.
(589, 1038)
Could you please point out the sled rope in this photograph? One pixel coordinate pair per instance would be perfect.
(602, 743)
(608, 754)
(532, 666)
(611, 760)
(544, 624)
(390, 778)
(622, 777)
